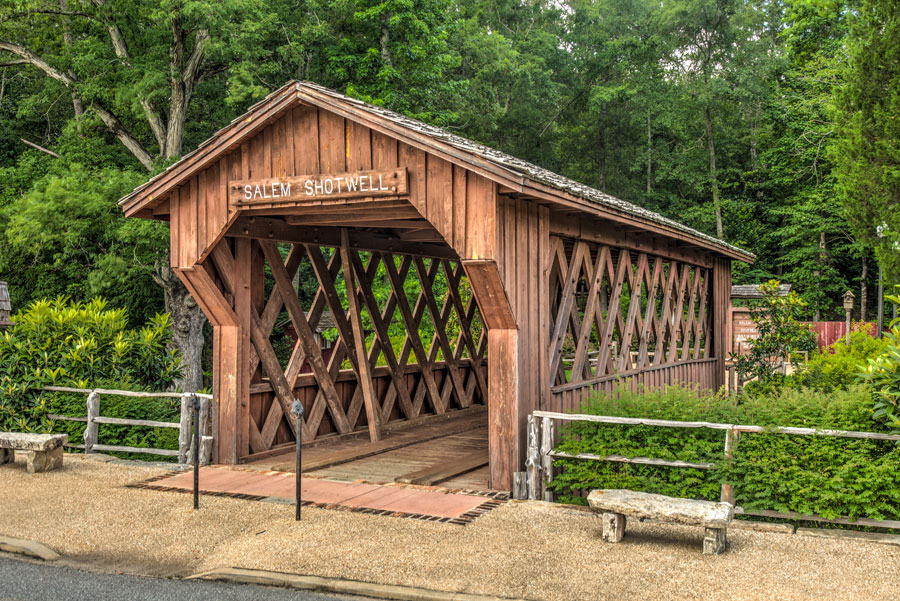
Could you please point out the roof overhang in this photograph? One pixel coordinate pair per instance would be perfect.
(516, 177)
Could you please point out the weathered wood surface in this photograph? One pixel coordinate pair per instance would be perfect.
(23, 441)
(361, 184)
(690, 512)
(435, 474)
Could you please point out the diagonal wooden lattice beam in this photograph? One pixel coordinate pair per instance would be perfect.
(305, 335)
(373, 413)
(381, 332)
(591, 315)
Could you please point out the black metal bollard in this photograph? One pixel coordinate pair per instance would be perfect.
(297, 411)
(196, 403)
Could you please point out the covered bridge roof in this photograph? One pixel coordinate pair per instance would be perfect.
(515, 175)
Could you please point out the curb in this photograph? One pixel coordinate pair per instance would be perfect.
(28, 547)
(869, 537)
(338, 586)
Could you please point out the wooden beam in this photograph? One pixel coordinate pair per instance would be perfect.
(359, 339)
(277, 230)
(445, 470)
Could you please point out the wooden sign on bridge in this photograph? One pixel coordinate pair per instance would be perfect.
(361, 184)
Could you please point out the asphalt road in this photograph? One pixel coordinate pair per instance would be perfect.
(27, 581)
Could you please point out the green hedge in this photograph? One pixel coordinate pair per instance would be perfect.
(819, 475)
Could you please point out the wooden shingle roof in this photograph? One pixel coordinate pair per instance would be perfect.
(515, 175)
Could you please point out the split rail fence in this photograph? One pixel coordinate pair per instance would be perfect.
(532, 484)
(93, 419)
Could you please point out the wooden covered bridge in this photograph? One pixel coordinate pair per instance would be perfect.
(479, 279)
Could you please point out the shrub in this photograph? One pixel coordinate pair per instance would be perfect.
(780, 336)
(883, 375)
(807, 474)
(837, 366)
(80, 344)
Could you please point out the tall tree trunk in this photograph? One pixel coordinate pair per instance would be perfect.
(864, 287)
(77, 105)
(649, 154)
(822, 256)
(386, 56)
(713, 176)
(187, 326)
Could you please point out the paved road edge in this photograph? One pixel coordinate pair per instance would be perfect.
(337, 585)
(31, 548)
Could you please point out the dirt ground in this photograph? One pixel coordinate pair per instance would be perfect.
(519, 550)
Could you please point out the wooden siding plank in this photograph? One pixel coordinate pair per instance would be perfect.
(332, 153)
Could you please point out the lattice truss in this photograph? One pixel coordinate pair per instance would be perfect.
(410, 342)
(616, 311)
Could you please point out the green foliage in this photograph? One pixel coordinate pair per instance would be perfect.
(65, 343)
(883, 376)
(780, 335)
(868, 143)
(837, 366)
(807, 474)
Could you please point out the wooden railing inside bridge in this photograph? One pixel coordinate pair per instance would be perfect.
(622, 314)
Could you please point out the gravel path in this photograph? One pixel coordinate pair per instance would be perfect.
(518, 550)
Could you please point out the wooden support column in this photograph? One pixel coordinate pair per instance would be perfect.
(359, 339)
(503, 371)
(721, 303)
(243, 299)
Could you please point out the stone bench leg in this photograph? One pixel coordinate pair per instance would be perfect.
(43, 461)
(7, 456)
(613, 527)
(714, 541)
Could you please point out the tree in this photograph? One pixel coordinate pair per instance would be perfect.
(136, 68)
(867, 152)
(780, 336)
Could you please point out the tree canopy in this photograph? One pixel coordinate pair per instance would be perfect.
(769, 123)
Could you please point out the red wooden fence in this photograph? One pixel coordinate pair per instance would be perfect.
(829, 332)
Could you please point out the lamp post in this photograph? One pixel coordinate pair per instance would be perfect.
(880, 232)
(297, 412)
(848, 306)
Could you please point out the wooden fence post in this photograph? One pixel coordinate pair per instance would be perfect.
(546, 459)
(184, 429)
(92, 428)
(533, 461)
(205, 447)
(731, 438)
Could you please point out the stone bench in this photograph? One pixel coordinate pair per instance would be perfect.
(615, 505)
(44, 451)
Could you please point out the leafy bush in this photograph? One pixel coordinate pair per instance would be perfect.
(807, 474)
(883, 375)
(780, 336)
(837, 366)
(80, 344)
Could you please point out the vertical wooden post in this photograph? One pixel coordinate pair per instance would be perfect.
(731, 439)
(373, 412)
(227, 370)
(721, 302)
(243, 299)
(184, 428)
(503, 407)
(533, 460)
(547, 436)
(91, 429)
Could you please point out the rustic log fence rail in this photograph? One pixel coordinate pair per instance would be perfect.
(541, 453)
(93, 419)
